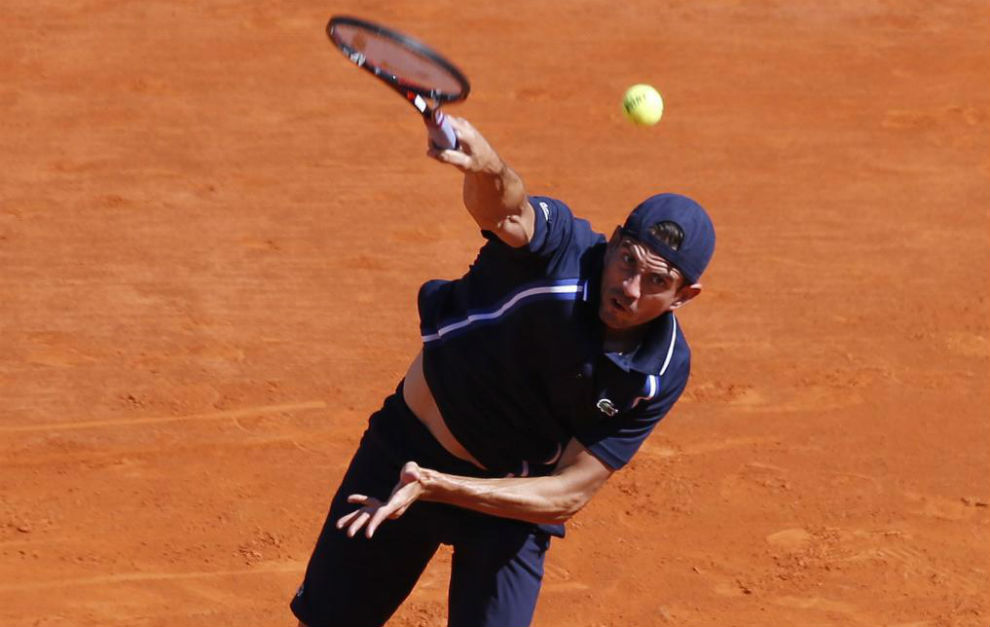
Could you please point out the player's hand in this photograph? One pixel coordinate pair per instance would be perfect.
(473, 154)
(374, 512)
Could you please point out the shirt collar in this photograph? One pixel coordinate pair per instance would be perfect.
(652, 354)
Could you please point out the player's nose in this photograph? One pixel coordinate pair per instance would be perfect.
(630, 286)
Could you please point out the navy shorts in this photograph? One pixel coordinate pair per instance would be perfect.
(497, 566)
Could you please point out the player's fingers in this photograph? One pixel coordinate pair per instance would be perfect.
(358, 522)
(376, 519)
(357, 498)
(399, 511)
(466, 138)
(455, 158)
(347, 518)
(461, 125)
(434, 152)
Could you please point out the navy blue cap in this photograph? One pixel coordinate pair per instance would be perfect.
(695, 251)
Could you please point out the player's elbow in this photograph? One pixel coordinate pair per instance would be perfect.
(566, 506)
(573, 488)
(514, 231)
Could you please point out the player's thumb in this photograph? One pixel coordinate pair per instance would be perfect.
(456, 158)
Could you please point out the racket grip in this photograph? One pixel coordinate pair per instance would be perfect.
(440, 130)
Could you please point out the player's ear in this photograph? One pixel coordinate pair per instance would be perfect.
(685, 294)
(613, 244)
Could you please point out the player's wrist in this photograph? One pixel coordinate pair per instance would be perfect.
(429, 482)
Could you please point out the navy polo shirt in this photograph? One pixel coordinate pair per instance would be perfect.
(512, 352)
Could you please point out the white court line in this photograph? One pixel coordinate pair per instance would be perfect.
(123, 578)
(219, 415)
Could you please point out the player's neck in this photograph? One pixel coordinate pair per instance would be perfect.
(622, 340)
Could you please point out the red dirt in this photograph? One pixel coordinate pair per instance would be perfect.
(212, 231)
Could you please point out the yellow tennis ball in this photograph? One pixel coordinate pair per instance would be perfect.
(643, 105)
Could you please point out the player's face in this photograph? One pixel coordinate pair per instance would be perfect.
(639, 285)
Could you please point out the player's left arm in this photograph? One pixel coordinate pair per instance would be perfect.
(550, 499)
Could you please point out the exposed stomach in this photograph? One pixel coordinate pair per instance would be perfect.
(418, 396)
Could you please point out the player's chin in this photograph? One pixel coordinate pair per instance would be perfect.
(614, 316)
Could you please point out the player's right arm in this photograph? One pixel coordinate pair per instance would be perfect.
(494, 194)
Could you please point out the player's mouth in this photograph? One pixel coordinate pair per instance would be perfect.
(617, 308)
(615, 314)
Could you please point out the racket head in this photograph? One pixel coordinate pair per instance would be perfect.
(398, 59)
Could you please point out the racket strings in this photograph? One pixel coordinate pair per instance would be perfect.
(394, 60)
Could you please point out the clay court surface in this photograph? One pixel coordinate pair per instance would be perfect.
(212, 230)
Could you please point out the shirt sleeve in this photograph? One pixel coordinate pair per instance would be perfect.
(553, 226)
(615, 440)
(555, 229)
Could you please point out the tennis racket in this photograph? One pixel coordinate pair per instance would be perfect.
(424, 78)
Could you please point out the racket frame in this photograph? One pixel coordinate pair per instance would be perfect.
(417, 95)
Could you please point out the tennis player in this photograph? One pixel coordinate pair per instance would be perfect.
(542, 371)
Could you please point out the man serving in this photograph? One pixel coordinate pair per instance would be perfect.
(543, 370)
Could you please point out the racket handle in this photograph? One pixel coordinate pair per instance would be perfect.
(440, 130)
